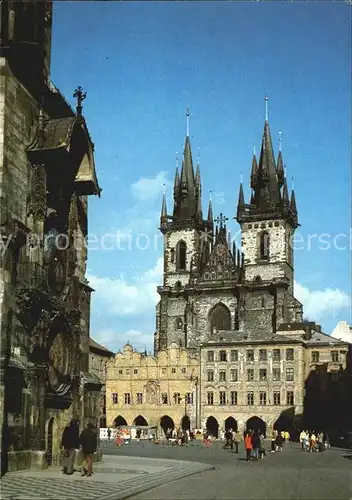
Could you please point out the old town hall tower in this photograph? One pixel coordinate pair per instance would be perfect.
(209, 284)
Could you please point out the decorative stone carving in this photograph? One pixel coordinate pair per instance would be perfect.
(38, 196)
(59, 361)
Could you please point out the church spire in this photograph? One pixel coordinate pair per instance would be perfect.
(241, 204)
(280, 165)
(198, 191)
(163, 215)
(210, 218)
(254, 171)
(293, 205)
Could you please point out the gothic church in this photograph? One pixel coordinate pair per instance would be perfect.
(210, 285)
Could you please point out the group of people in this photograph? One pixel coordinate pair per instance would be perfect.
(232, 438)
(312, 441)
(253, 445)
(87, 443)
(180, 436)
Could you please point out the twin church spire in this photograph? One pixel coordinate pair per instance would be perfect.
(187, 191)
(269, 190)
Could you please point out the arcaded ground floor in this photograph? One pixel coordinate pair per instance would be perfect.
(213, 419)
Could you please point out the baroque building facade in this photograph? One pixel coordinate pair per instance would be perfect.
(47, 174)
(260, 364)
(160, 391)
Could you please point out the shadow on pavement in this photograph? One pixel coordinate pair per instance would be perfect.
(349, 457)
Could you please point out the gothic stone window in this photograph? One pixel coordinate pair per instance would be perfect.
(315, 356)
(177, 398)
(210, 398)
(220, 318)
(264, 245)
(114, 398)
(127, 398)
(139, 398)
(222, 398)
(210, 375)
(262, 398)
(233, 397)
(181, 251)
(277, 398)
(250, 398)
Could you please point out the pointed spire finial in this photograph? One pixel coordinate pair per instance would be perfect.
(187, 117)
(198, 156)
(164, 189)
(253, 148)
(266, 108)
(241, 177)
(280, 140)
(177, 159)
(293, 183)
(210, 194)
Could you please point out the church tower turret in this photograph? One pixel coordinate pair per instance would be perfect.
(268, 222)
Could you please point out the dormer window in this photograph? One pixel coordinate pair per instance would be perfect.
(264, 246)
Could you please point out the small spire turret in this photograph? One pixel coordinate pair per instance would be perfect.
(241, 204)
(163, 215)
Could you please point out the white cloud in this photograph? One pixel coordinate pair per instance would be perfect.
(319, 303)
(118, 297)
(116, 340)
(148, 188)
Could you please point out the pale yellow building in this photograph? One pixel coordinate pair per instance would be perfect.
(157, 391)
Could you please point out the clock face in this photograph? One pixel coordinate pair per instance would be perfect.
(58, 361)
(56, 275)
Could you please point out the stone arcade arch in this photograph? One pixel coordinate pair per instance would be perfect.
(231, 423)
(119, 421)
(284, 423)
(256, 424)
(212, 426)
(185, 423)
(166, 423)
(219, 318)
(140, 421)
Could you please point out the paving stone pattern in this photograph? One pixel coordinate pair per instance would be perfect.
(108, 482)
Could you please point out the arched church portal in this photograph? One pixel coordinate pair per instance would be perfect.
(219, 318)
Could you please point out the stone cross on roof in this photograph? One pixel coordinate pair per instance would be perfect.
(221, 220)
(80, 96)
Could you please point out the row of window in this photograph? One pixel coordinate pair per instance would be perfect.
(334, 356)
(262, 372)
(164, 399)
(163, 371)
(262, 398)
(263, 355)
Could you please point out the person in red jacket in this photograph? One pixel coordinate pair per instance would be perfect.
(248, 445)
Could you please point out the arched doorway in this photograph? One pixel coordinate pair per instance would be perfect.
(140, 421)
(49, 445)
(256, 424)
(231, 423)
(185, 423)
(166, 423)
(285, 424)
(212, 426)
(119, 421)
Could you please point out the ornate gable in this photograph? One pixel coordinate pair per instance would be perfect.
(221, 264)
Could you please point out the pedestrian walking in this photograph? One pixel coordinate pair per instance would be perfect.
(109, 435)
(228, 439)
(69, 444)
(88, 442)
(236, 440)
(248, 446)
(255, 445)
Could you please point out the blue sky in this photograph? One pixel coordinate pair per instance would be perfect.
(142, 64)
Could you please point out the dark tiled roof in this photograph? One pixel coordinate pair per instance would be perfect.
(57, 134)
(256, 336)
(98, 347)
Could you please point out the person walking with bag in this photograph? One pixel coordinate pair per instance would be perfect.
(88, 442)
